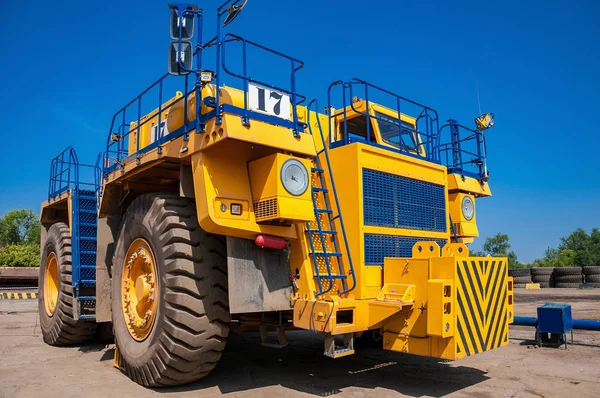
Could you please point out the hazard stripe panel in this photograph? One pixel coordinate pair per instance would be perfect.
(481, 296)
(18, 296)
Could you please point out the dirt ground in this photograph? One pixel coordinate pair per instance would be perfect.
(29, 368)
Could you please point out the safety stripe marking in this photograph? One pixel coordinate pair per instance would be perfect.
(469, 329)
(462, 338)
(485, 295)
(18, 296)
(495, 313)
(471, 299)
(499, 317)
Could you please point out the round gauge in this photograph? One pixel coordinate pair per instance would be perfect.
(468, 208)
(294, 177)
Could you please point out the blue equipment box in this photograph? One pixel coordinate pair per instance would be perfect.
(555, 318)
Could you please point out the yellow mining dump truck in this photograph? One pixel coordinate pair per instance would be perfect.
(245, 208)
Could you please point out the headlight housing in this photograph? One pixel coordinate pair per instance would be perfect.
(468, 208)
(294, 177)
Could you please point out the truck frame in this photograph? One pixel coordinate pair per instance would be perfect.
(248, 209)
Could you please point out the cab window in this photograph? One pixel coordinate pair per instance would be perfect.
(391, 133)
(357, 129)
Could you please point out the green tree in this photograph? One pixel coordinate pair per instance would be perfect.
(20, 239)
(23, 255)
(499, 246)
(549, 259)
(586, 248)
(19, 227)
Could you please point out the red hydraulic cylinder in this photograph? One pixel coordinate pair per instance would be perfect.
(272, 242)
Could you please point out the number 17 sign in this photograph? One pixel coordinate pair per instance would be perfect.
(267, 100)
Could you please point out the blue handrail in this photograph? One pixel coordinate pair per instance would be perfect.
(465, 153)
(296, 65)
(120, 129)
(118, 136)
(331, 219)
(64, 174)
(425, 135)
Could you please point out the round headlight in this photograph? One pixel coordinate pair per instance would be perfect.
(294, 177)
(468, 208)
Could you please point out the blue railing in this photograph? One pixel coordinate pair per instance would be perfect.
(424, 136)
(295, 66)
(65, 174)
(117, 151)
(120, 128)
(465, 153)
(331, 219)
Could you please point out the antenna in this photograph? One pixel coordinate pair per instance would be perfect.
(478, 99)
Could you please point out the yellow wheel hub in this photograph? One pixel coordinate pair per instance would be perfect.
(51, 284)
(139, 291)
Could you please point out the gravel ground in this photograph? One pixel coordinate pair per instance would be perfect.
(29, 368)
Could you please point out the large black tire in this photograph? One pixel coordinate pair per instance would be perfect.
(543, 275)
(561, 271)
(594, 278)
(591, 270)
(61, 329)
(192, 318)
(542, 271)
(568, 279)
(547, 279)
(522, 279)
(519, 272)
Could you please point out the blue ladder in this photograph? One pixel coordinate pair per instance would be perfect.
(323, 234)
(85, 227)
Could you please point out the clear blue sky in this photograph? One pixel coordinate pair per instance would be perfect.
(66, 67)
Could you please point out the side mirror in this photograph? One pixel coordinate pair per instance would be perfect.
(179, 57)
(183, 19)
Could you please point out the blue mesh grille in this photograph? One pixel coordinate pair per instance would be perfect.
(399, 202)
(377, 247)
(87, 259)
(89, 232)
(88, 218)
(87, 204)
(88, 274)
(88, 245)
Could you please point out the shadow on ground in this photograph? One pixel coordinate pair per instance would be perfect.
(247, 365)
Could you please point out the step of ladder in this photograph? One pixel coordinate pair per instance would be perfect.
(332, 350)
(329, 264)
(85, 257)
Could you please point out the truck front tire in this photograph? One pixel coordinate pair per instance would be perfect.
(181, 331)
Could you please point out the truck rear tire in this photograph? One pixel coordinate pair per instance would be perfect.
(181, 331)
(56, 297)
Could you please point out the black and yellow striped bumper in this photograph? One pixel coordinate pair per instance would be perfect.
(462, 305)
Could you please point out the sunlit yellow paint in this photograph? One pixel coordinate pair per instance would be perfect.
(139, 289)
(51, 284)
(233, 164)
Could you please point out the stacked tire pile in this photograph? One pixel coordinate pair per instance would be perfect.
(521, 276)
(568, 277)
(543, 275)
(592, 275)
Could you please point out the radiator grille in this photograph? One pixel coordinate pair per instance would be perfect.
(399, 202)
(266, 209)
(377, 247)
